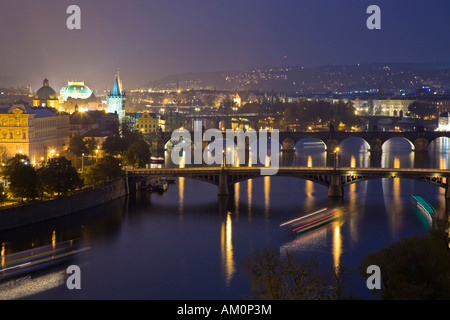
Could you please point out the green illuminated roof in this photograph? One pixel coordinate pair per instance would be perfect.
(78, 89)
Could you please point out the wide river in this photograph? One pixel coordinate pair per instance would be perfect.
(186, 244)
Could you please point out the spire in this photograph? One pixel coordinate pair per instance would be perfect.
(117, 89)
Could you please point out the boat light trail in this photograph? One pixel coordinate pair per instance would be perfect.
(314, 222)
(311, 214)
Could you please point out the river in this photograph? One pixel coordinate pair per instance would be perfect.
(185, 244)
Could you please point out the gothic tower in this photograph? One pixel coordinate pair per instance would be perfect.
(115, 100)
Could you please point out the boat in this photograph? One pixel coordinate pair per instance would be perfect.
(161, 186)
(312, 220)
(424, 206)
(32, 260)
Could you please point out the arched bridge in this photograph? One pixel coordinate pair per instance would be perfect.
(333, 178)
(419, 140)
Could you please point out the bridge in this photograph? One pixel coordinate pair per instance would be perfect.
(419, 140)
(335, 179)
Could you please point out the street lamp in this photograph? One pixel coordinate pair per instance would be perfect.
(82, 162)
(223, 161)
(96, 155)
(336, 151)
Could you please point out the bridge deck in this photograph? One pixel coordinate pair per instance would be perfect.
(320, 170)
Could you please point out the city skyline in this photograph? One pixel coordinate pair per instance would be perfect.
(148, 40)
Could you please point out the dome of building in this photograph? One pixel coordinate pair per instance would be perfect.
(46, 97)
(75, 90)
(46, 92)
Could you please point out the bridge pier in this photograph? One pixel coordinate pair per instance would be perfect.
(421, 145)
(223, 184)
(335, 189)
(376, 145)
(332, 144)
(288, 145)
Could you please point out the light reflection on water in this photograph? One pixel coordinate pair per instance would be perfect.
(185, 244)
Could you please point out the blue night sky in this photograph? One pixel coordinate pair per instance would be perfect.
(150, 39)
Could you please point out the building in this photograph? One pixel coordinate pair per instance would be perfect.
(392, 108)
(147, 123)
(81, 122)
(444, 121)
(46, 96)
(38, 132)
(107, 122)
(75, 90)
(115, 100)
(131, 119)
(237, 100)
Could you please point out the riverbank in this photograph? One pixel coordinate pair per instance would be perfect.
(19, 216)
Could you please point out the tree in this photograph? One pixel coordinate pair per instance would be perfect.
(77, 145)
(58, 176)
(276, 277)
(107, 168)
(112, 145)
(91, 146)
(344, 112)
(3, 193)
(422, 109)
(137, 155)
(414, 268)
(22, 177)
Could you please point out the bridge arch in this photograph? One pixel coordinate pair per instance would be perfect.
(321, 180)
(398, 142)
(350, 143)
(439, 144)
(310, 142)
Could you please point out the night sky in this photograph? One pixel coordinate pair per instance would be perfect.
(150, 39)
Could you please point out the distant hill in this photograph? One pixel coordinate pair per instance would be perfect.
(330, 78)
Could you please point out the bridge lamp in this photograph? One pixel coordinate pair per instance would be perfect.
(223, 161)
(336, 151)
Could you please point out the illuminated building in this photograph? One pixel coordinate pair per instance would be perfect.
(46, 97)
(444, 121)
(75, 90)
(237, 100)
(115, 100)
(392, 108)
(39, 133)
(147, 123)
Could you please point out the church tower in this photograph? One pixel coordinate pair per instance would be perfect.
(115, 100)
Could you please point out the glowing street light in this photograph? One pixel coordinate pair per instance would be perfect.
(336, 151)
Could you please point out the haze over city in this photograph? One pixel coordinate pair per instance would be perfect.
(148, 40)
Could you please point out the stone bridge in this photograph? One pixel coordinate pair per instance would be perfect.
(335, 179)
(419, 140)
